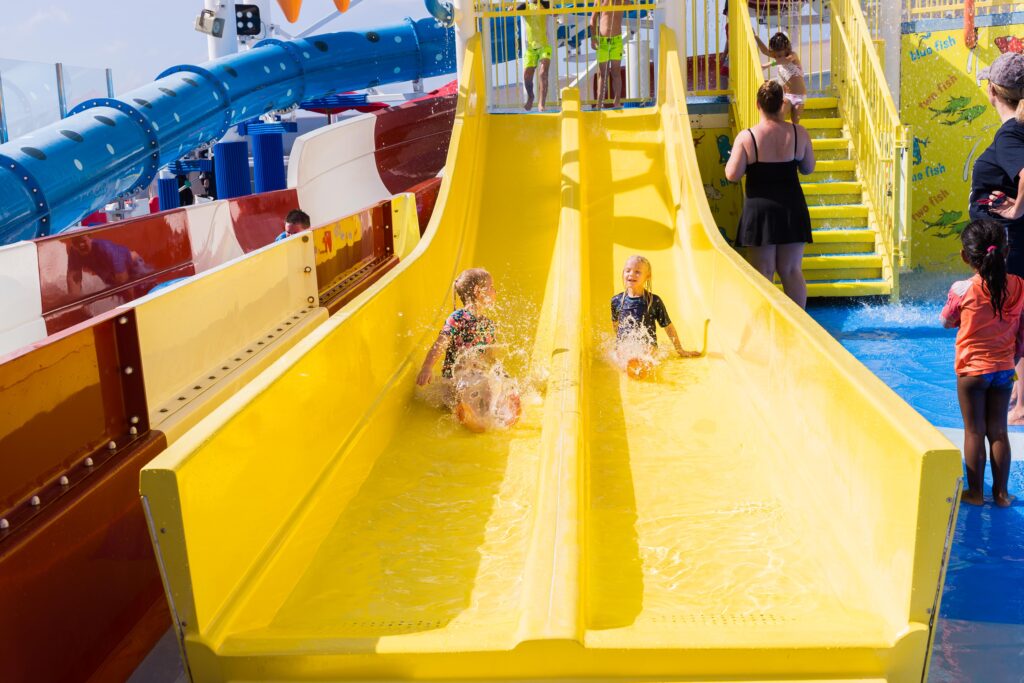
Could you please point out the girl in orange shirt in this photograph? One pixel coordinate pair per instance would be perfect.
(987, 308)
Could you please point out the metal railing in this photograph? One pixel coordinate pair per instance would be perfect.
(573, 58)
(878, 137)
(745, 72)
(808, 26)
(944, 9)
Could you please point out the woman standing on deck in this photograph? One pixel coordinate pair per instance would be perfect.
(997, 184)
(775, 223)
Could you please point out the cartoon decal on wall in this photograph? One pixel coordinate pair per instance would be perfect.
(919, 144)
(948, 224)
(1009, 44)
(724, 148)
(697, 140)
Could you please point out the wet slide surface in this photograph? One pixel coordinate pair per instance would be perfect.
(689, 526)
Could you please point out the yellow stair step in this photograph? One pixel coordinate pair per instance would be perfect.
(834, 165)
(872, 287)
(833, 188)
(822, 123)
(842, 236)
(821, 103)
(841, 261)
(830, 143)
(838, 211)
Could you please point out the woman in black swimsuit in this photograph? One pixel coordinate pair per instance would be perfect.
(775, 223)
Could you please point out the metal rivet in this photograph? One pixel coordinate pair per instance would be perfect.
(128, 370)
(112, 445)
(949, 500)
(163, 530)
(35, 501)
(88, 462)
(133, 431)
(307, 269)
(4, 524)
(163, 410)
(64, 481)
(305, 238)
(309, 299)
(135, 419)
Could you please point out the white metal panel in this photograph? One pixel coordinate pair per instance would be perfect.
(21, 306)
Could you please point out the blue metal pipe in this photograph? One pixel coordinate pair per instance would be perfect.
(167, 190)
(268, 162)
(107, 148)
(231, 168)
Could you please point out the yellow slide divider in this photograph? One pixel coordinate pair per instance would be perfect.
(770, 511)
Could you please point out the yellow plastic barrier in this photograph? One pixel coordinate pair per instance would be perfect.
(205, 338)
(768, 512)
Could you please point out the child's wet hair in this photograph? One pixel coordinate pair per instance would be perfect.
(469, 282)
(648, 290)
(769, 97)
(985, 246)
(779, 43)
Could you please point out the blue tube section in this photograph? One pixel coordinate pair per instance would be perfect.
(268, 162)
(107, 148)
(231, 167)
(167, 191)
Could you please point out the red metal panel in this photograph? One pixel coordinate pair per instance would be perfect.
(346, 266)
(412, 141)
(63, 399)
(84, 580)
(77, 573)
(259, 218)
(426, 198)
(86, 272)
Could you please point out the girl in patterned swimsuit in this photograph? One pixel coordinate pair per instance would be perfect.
(474, 382)
(791, 72)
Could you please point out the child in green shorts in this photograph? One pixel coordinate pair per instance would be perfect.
(538, 52)
(606, 38)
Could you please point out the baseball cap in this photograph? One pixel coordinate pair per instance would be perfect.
(1007, 71)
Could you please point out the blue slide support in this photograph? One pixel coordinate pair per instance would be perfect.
(108, 148)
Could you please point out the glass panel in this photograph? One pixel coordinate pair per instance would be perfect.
(29, 95)
(83, 83)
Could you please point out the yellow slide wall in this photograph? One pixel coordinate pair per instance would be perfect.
(768, 511)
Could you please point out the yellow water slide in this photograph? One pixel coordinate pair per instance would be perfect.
(767, 512)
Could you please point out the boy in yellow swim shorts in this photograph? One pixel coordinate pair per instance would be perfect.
(606, 38)
(538, 52)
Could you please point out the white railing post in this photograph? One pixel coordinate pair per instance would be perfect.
(465, 28)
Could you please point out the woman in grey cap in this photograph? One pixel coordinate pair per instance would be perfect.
(997, 185)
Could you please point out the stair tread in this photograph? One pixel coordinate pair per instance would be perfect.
(830, 143)
(841, 261)
(838, 211)
(833, 187)
(842, 236)
(821, 103)
(835, 165)
(822, 123)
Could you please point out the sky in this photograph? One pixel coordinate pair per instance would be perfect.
(140, 39)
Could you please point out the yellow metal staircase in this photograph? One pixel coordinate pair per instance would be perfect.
(846, 258)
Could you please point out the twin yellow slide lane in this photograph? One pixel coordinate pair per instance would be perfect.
(770, 511)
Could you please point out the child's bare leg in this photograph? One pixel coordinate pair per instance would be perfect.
(1016, 416)
(528, 82)
(602, 81)
(996, 401)
(616, 82)
(542, 83)
(971, 392)
(796, 112)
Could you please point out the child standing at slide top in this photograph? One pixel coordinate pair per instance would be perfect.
(538, 53)
(475, 383)
(791, 72)
(634, 314)
(606, 38)
(987, 308)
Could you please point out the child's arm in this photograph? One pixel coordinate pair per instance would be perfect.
(670, 330)
(761, 46)
(593, 29)
(950, 315)
(435, 352)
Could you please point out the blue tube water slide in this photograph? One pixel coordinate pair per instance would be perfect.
(108, 148)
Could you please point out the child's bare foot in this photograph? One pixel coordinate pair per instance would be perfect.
(529, 103)
(972, 497)
(1004, 500)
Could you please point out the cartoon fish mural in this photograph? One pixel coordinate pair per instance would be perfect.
(724, 148)
(948, 224)
(966, 115)
(711, 192)
(697, 141)
(1009, 44)
(922, 38)
(919, 144)
(954, 105)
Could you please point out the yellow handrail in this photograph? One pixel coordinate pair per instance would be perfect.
(879, 138)
(745, 73)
